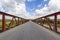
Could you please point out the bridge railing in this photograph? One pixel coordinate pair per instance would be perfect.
(14, 21)
(51, 21)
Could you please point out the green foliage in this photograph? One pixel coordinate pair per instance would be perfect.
(52, 22)
(7, 23)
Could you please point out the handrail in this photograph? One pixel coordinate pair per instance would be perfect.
(20, 20)
(39, 20)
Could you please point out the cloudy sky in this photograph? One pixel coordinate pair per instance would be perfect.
(29, 9)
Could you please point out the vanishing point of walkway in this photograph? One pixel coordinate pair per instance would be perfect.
(29, 31)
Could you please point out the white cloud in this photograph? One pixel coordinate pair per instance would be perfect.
(18, 8)
(1, 9)
(54, 6)
(41, 11)
(6, 1)
(39, 5)
(15, 7)
(30, 0)
(45, 0)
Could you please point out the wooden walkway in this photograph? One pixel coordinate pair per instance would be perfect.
(29, 31)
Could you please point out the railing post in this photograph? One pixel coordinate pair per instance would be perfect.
(3, 23)
(55, 23)
(21, 20)
(41, 22)
(18, 20)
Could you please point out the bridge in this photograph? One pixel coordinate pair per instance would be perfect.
(30, 29)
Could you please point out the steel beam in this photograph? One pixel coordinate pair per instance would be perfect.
(3, 23)
(55, 23)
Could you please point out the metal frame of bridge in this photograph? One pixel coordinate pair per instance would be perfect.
(20, 20)
(39, 20)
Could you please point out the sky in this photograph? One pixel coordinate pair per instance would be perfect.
(30, 9)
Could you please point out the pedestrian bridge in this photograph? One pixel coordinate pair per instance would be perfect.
(29, 31)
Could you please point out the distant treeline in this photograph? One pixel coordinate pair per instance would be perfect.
(6, 20)
(52, 21)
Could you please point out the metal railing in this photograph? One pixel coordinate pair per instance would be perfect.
(18, 21)
(46, 18)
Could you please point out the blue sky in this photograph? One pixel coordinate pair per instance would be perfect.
(31, 6)
(30, 9)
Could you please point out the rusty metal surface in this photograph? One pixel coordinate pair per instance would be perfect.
(13, 18)
(39, 20)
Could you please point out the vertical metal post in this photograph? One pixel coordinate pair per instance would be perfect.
(3, 23)
(21, 20)
(41, 22)
(24, 21)
(55, 23)
(18, 21)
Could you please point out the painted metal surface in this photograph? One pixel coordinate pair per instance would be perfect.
(18, 22)
(55, 15)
